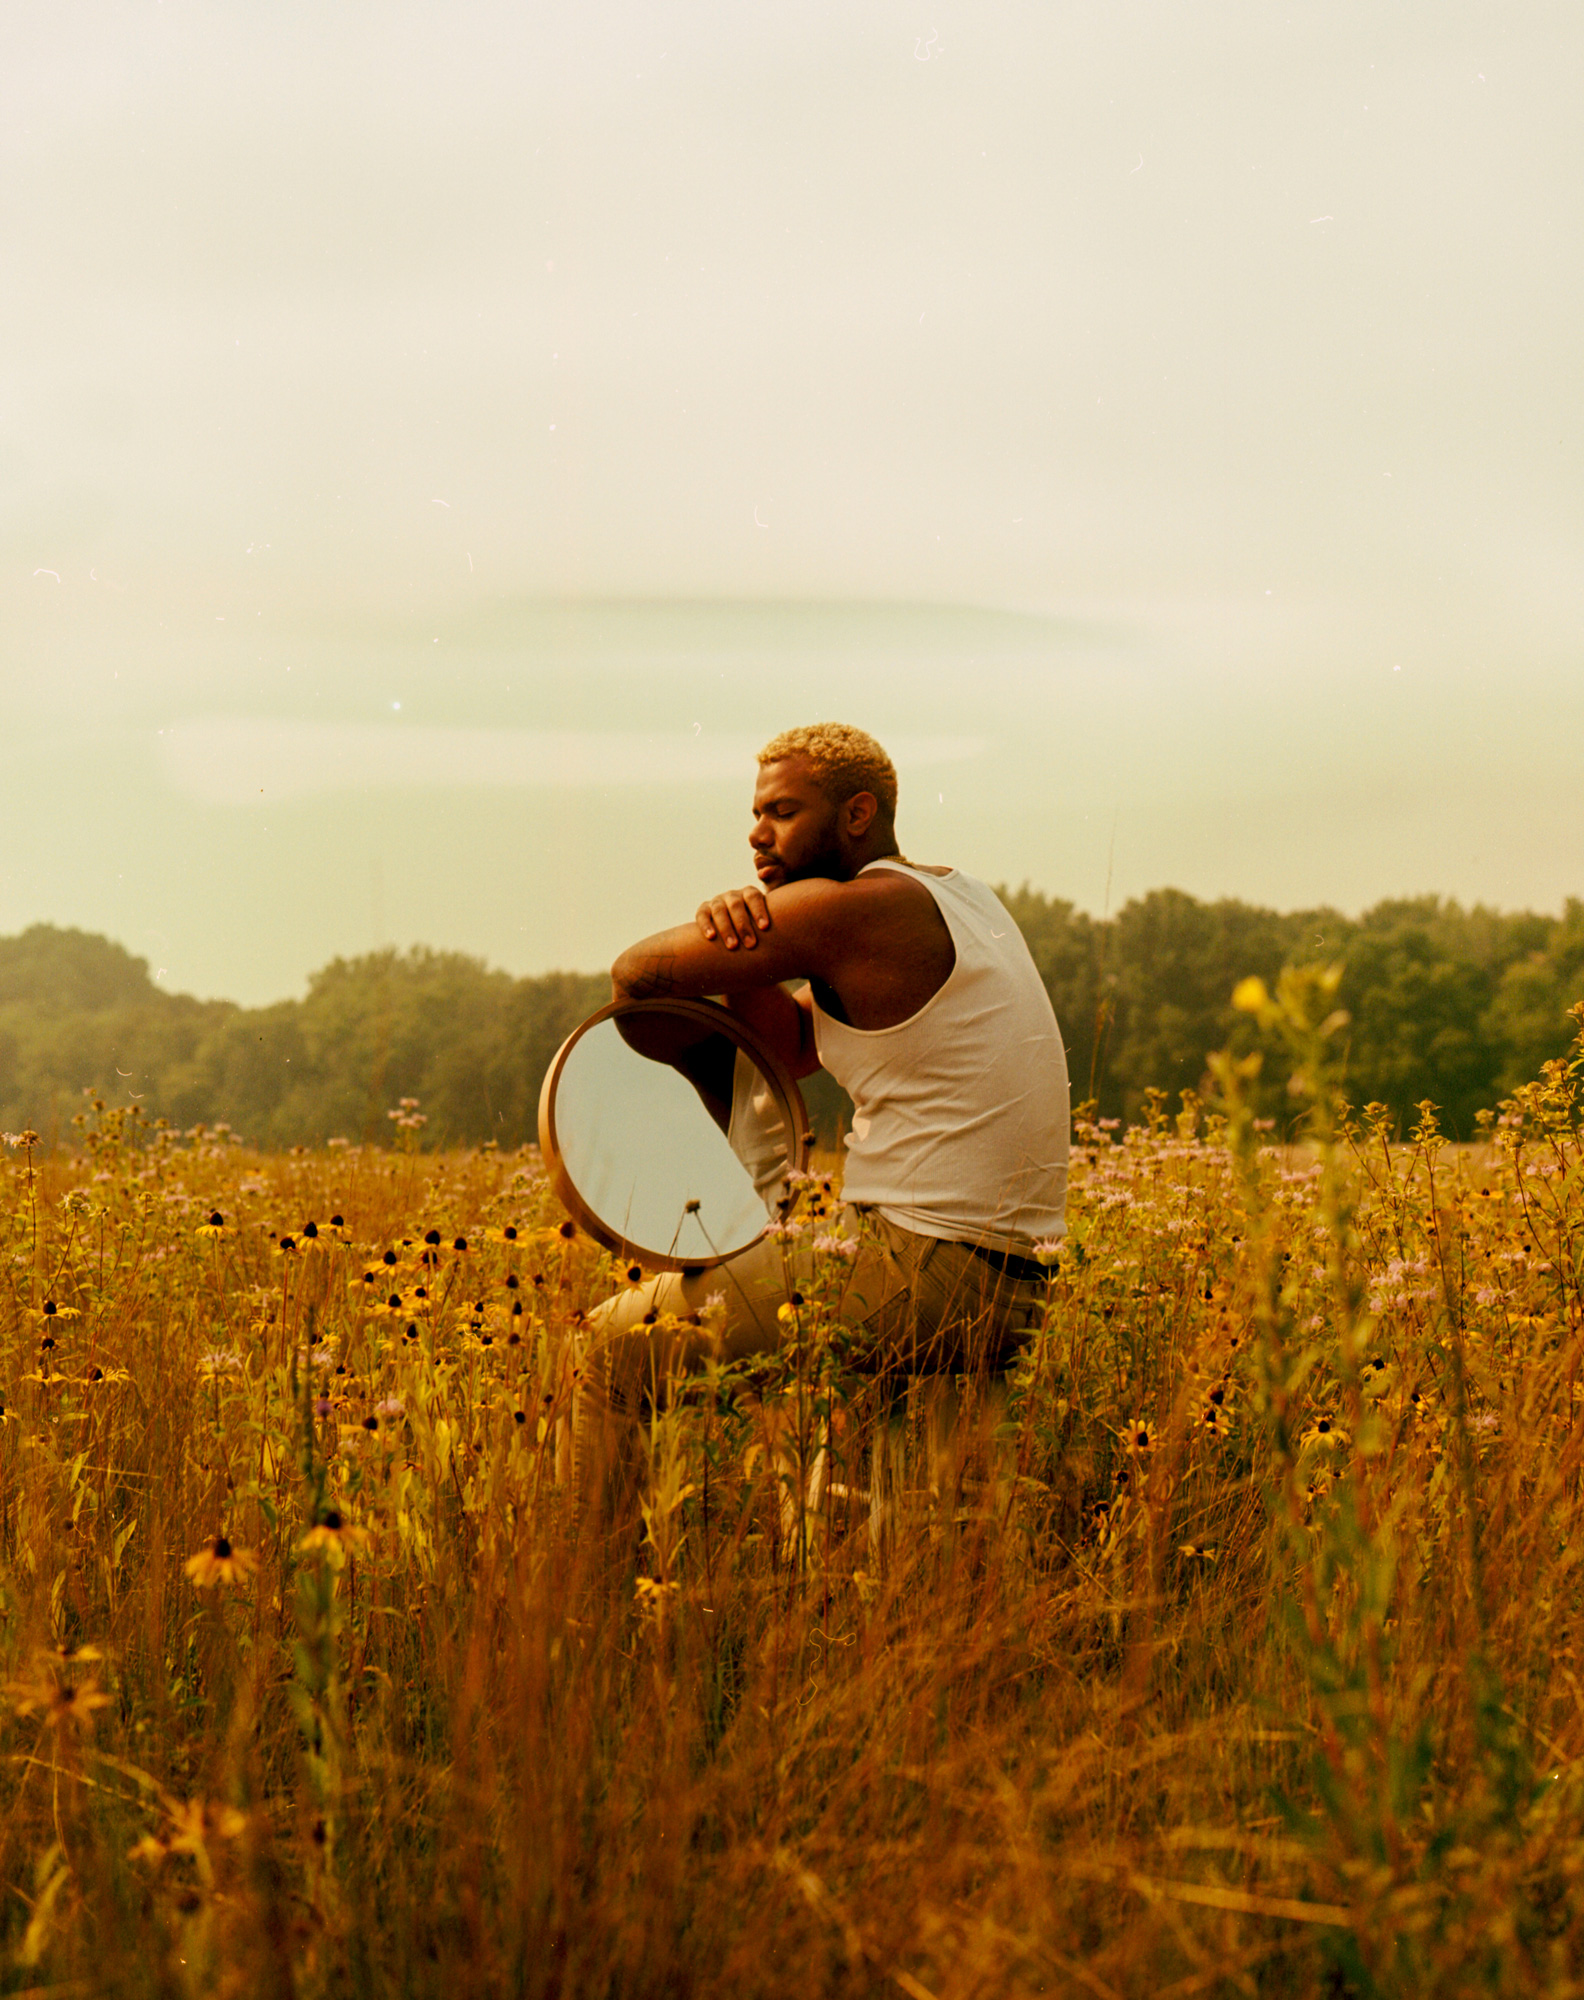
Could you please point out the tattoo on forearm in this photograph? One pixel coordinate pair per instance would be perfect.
(656, 980)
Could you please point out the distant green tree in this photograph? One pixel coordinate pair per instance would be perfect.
(70, 972)
(1455, 1005)
(78, 1013)
(1176, 962)
(1421, 980)
(1528, 1016)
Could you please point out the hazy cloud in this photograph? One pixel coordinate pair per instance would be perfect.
(236, 762)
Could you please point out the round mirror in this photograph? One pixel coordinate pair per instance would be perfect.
(669, 1129)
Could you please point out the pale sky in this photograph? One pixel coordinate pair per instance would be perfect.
(440, 443)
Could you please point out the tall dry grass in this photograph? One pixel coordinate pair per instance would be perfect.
(1245, 1660)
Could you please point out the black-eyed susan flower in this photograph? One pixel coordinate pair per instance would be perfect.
(62, 1704)
(1325, 1432)
(215, 1226)
(333, 1536)
(220, 1561)
(1140, 1436)
(72, 1653)
(195, 1824)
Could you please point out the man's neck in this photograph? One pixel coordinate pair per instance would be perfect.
(865, 857)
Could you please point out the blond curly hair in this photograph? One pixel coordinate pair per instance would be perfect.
(844, 760)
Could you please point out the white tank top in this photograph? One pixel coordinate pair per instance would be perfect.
(961, 1115)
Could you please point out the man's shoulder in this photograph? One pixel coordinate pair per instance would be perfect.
(819, 898)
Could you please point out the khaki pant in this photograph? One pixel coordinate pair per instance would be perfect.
(917, 1305)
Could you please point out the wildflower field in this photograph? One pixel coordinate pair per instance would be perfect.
(1236, 1650)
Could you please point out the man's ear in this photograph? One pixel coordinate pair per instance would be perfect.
(859, 813)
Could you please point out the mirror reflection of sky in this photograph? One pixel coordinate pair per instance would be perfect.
(640, 1147)
(441, 444)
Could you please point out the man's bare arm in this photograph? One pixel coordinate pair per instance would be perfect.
(642, 973)
(814, 934)
(657, 969)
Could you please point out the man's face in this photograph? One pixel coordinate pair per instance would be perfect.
(796, 829)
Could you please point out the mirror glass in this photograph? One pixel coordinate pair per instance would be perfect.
(671, 1136)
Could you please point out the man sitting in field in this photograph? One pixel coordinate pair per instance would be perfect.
(923, 1003)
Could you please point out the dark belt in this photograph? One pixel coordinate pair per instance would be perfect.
(1027, 1270)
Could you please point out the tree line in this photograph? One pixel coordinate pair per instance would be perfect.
(1454, 1005)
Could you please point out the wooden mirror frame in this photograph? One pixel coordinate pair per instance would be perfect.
(718, 1020)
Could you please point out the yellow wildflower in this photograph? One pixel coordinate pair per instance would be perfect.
(220, 1561)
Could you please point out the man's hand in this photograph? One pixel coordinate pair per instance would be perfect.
(735, 917)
